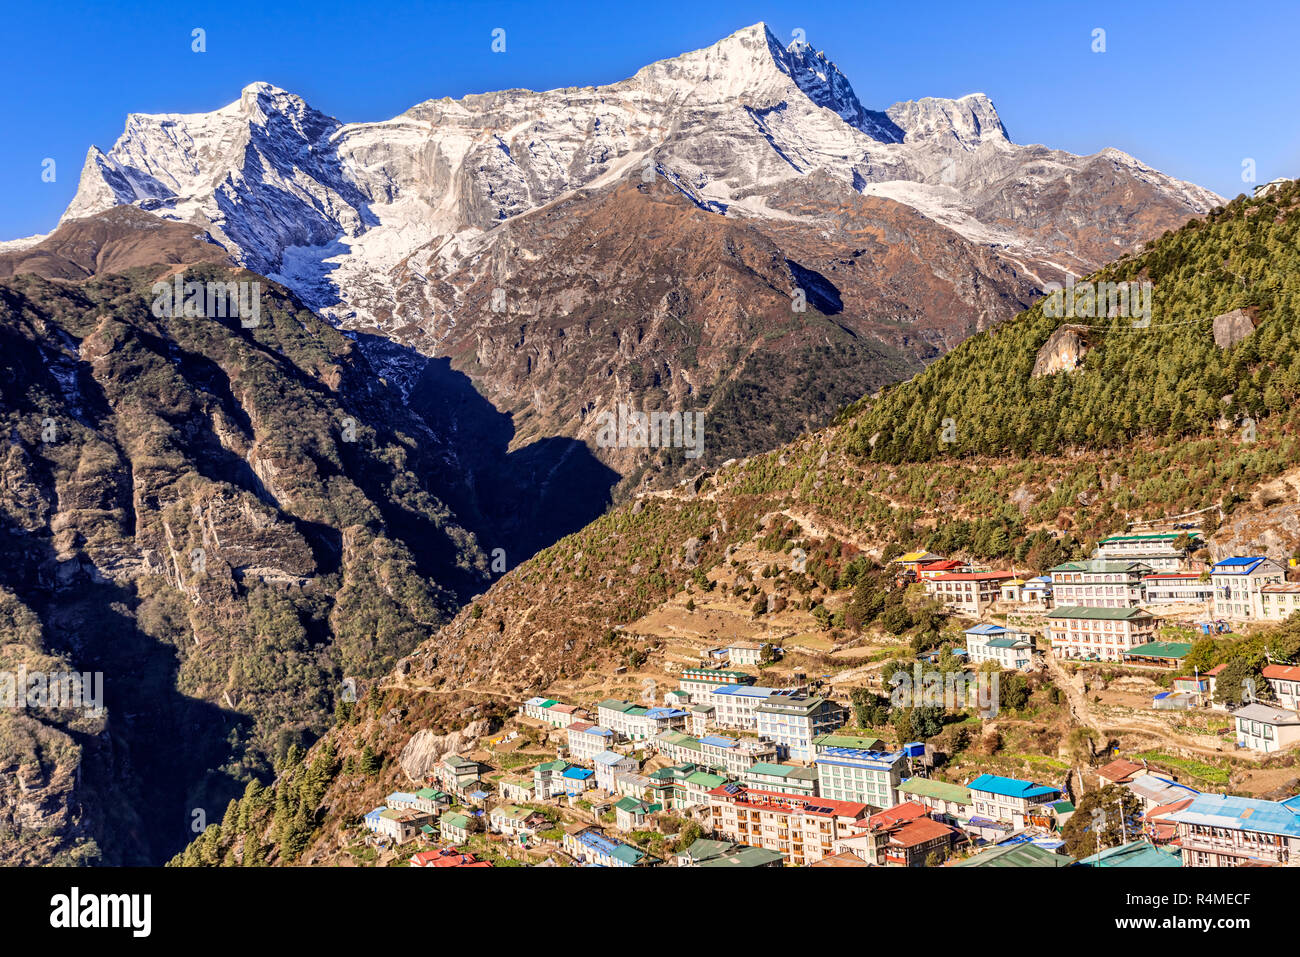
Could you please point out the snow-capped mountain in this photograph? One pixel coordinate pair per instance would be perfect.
(360, 218)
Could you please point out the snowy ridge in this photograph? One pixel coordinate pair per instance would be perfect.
(347, 214)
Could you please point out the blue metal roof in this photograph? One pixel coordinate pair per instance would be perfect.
(986, 629)
(747, 691)
(1010, 787)
(400, 796)
(597, 841)
(718, 741)
(608, 757)
(853, 757)
(1238, 566)
(578, 774)
(660, 712)
(1241, 813)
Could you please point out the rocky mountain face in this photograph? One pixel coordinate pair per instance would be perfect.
(469, 229)
(226, 520)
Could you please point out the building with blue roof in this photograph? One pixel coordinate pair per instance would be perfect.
(860, 776)
(1221, 830)
(401, 799)
(1011, 800)
(637, 723)
(1237, 584)
(593, 847)
(1011, 649)
(734, 756)
(736, 706)
(610, 764)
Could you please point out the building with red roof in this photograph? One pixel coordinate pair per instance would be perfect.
(446, 857)
(1285, 682)
(802, 829)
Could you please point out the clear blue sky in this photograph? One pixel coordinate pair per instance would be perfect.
(1192, 88)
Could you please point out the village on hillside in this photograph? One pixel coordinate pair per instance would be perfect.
(741, 740)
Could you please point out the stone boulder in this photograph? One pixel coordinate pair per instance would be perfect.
(1231, 327)
(426, 749)
(1063, 351)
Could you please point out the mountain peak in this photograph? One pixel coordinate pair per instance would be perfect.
(966, 122)
(823, 83)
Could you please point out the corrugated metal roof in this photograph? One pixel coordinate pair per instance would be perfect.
(1010, 787)
(1241, 813)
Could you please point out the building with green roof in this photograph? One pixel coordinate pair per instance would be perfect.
(1134, 854)
(708, 853)
(783, 778)
(455, 828)
(947, 802)
(1098, 634)
(1016, 855)
(824, 741)
(1168, 653)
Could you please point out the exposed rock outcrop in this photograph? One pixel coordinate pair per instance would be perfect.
(426, 749)
(1064, 350)
(1231, 327)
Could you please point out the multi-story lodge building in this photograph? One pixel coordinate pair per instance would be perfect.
(586, 740)
(1219, 830)
(785, 778)
(1099, 584)
(1157, 549)
(1011, 648)
(793, 721)
(696, 683)
(1284, 682)
(943, 566)
(968, 593)
(1279, 602)
(610, 764)
(682, 787)
(553, 712)
(637, 723)
(736, 706)
(1239, 583)
(1104, 633)
(735, 755)
(853, 774)
(946, 802)
(803, 830)
(1010, 799)
(901, 836)
(1174, 588)
(1261, 727)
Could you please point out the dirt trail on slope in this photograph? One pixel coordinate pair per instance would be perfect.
(1083, 715)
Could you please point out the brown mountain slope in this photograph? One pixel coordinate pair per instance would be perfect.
(634, 294)
(114, 240)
